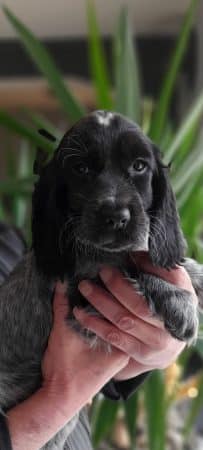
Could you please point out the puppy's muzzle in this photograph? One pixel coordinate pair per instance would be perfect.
(114, 218)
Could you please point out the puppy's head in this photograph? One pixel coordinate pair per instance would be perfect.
(105, 190)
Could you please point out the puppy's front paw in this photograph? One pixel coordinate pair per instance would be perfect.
(176, 307)
(180, 315)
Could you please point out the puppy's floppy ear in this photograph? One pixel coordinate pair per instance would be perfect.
(50, 211)
(166, 243)
(41, 155)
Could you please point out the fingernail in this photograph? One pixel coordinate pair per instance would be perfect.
(106, 273)
(61, 288)
(85, 287)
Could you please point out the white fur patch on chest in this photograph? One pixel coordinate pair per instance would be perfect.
(104, 118)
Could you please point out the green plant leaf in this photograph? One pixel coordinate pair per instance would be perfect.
(22, 186)
(24, 170)
(191, 166)
(191, 214)
(184, 198)
(46, 65)
(2, 212)
(127, 81)
(39, 121)
(131, 410)
(188, 125)
(155, 402)
(97, 60)
(147, 108)
(164, 101)
(166, 138)
(106, 416)
(25, 131)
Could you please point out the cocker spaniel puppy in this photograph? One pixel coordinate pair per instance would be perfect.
(104, 194)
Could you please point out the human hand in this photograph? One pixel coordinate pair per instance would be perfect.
(130, 325)
(72, 371)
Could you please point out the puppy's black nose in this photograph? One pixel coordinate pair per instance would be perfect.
(117, 219)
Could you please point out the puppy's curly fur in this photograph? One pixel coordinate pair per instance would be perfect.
(104, 194)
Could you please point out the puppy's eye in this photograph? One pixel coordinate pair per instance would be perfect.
(139, 165)
(81, 169)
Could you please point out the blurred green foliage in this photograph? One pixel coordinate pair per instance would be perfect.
(180, 143)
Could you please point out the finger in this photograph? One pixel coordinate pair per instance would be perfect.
(177, 275)
(125, 292)
(110, 334)
(112, 310)
(133, 369)
(60, 303)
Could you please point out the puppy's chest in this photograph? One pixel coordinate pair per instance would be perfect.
(89, 269)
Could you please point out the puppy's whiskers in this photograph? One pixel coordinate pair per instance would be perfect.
(159, 227)
(68, 231)
(157, 230)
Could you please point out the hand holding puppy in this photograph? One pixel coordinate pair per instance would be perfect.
(127, 321)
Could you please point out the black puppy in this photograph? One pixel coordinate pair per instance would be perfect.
(104, 194)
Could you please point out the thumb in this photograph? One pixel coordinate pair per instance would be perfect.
(61, 306)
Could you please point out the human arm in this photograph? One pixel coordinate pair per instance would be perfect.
(68, 364)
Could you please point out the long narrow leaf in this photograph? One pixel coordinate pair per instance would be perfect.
(184, 197)
(106, 417)
(42, 122)
(24, 170)
(127, 82)
(46, 65)
(186, 127)
(162, 109)
(131, 411)
(2, 212)
(23, 186)
(23, 130)
(156, 410)
(98, 65)
(189, 169)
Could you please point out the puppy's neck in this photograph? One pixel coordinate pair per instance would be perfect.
(89, 265)
(77, 262)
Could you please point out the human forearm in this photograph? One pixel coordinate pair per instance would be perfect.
(72, 374)
(35, 421)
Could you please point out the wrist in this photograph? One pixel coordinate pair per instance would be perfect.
(37, 420)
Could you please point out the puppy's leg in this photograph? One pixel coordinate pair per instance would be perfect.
(77, 299)
(175, 306)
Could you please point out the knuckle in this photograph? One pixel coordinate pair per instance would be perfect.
(114, 337)
(126, 322)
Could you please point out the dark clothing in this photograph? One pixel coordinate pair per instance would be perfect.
(12, 247)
